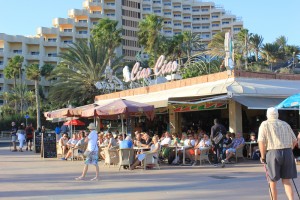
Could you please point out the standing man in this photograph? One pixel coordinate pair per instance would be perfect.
(29, 136)
(14, 130)
(215, 130)
(277, 137)
(92, 157)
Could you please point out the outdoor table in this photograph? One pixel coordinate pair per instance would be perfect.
(250, 147)
(141, 148)
(182, 148)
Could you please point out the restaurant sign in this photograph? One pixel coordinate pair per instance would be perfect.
(161, 67)
(198, 107)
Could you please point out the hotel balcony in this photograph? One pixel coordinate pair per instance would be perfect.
(88, 4)
(96, 15)
(215, 28)
(47, 31)
(237, 23)
(77, 12)
(57, 21)
(179, 9)
(81, 24)
(50, 59)
(49, 44)
(62, 33)
(77, 35)
(32, 57)
(167, 7)
(226, 25)
(109, 7)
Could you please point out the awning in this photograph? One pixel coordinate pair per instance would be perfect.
(258, 103)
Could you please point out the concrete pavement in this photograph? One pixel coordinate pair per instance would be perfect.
(24, 175)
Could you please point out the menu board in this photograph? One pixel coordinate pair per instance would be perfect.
(49, 145)
(37, 142)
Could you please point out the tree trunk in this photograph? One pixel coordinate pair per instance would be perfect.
(256, 55)
(38, 116)
(21, 85)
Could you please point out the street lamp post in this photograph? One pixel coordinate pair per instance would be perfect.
(293, 66)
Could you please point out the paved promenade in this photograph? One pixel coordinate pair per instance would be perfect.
(24, 175)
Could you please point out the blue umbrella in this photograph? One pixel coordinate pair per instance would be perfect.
(290, 102)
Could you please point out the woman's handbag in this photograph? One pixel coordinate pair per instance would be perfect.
(218, 138)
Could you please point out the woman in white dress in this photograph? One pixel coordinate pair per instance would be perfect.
(21, 137)
(155, 147)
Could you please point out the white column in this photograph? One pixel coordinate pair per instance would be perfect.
(235, 117)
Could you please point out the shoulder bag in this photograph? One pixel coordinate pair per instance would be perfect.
(218, 137)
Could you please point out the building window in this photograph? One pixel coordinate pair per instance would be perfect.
(35, 53)
(67, 30)
(1, 75)
(110, 14)
(157, 11)
(96, 12)
(167, 3)
(51, 39)
(1, 49)
(156, 1)
(205, 27)
(204, 9)
(214, 16)
(215, 25)
(17, 51)
(177, 15)
(205, 18)
(167, 22)
(178, 6)
(187, 17)
(52, 54)
(84, 21)
(82, 32)
(67, 41)
(177, 24)
(1, 62)
(195, 10)
(167, 13)
(236, 29)
(110, 3)
(225, 22)
(146, 9)
(187, 26)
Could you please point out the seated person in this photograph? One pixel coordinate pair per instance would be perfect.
(70, 144)
(236, 143)
(63, 143)
(119, 139)
(81, 144)
(204, 143)
(112, 143)
(175, 139)
(226, 144)
(147, 139)
(101, 139)
(139, 141)
(165, 143)
(189, 142)
(253, 149)
(127, 143)
(153, 149)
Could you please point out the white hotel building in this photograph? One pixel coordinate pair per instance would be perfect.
(203, 17)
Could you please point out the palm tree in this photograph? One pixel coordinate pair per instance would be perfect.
(106, 32)
(270, 52)
(14, 69)
(192, 42)
(33, 73)
(282, 42)
(216, 45)
(242, 44)
(256, 42)
(82, 65)
(149, 34)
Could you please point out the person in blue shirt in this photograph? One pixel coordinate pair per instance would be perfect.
(127, 143)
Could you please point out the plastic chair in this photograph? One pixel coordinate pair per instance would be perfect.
(111, 157)
(239, 153)
(204, 152)
(126, 157)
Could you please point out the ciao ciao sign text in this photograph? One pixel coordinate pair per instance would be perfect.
(161, 67)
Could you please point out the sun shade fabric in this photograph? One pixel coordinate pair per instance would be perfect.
(290, 102)
(259, 103)
(74, 122)
(120, 106)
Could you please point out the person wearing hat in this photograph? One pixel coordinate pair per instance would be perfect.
(91, 153)
(276, 140)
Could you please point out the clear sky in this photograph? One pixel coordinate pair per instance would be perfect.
(269, 18)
